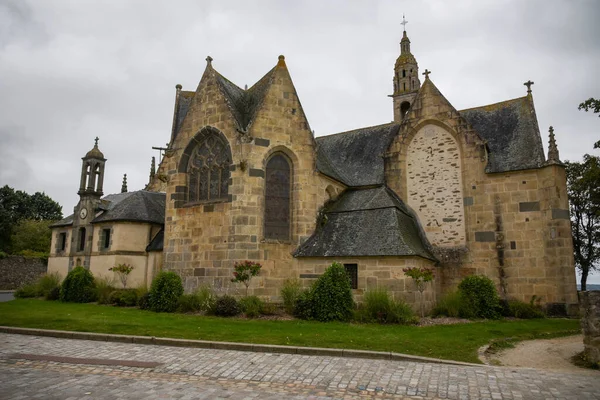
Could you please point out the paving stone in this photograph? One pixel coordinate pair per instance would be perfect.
(198, 373)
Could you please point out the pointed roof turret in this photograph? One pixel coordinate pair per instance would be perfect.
(553, 157)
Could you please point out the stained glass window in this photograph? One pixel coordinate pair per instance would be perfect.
(208, 170)
(277, 198)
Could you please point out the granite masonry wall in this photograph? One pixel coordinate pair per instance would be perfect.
(590, 323)
(16, 271)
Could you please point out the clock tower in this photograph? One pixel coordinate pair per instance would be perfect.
(406, 78)
(90, 192)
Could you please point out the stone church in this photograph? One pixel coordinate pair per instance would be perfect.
(243, 177)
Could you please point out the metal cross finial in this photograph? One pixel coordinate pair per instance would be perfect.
(528, 84)
(403, 23)
(96, 141)
(426, 73)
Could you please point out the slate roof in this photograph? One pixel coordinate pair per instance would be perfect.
(157, 242)
(185, 100)
(511, 131)
(67, 221)
(139, 206)
(355, 158)
(244, 104)
(367, 222)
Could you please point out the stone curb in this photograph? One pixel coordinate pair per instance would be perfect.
(207, 344)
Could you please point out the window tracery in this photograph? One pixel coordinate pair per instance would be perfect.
(208, 170)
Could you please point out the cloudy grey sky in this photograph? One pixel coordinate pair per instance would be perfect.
(74, 70)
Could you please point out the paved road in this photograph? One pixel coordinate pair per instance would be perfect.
(217, 374)
(6, 296)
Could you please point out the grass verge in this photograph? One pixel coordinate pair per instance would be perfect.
(452, 342)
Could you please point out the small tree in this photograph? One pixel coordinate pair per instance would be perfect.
(244, 272)
(420, 277)
(122, 271)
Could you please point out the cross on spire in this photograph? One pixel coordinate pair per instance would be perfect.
(96, 141)
(403, 23)
(528, 84)
(426, 73)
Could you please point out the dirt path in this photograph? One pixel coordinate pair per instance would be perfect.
(549, 354)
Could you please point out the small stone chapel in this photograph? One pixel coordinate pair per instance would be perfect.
(243, 177)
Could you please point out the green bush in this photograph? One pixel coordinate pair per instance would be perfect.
(26, 291)
(451, 304)
(480, 297)
(379, 306)
(331, 295)
(269, 309)
(78, 287)
(53, 294)
(104, 288)
(290, 292)
(188, 303)
(303, 308)
(165, 292)
(203, 299)
(519, 309)
(251, 306)
(227, 306)
(124, 297)
(42, 287)
(3, 255)
(143, 301)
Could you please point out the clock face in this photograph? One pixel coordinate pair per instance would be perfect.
(83, 213)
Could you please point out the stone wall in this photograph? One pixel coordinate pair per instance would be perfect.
(17, 270)
(589, 303)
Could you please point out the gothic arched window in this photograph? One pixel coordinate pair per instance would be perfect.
(208, 169)
(277, 198)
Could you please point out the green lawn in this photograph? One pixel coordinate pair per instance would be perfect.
(453, 342)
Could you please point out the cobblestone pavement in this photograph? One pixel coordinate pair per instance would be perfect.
(187, 373)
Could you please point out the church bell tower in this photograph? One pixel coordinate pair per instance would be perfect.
(90, 192)
(406, 78)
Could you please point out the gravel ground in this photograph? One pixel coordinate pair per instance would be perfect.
(547, 354)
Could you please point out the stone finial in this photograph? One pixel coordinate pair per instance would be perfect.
(426, 73)
(209, 60)
(124, 185)
(528, 84)
(553, 157)
(96, 141)
(178, 86)
(281, 62)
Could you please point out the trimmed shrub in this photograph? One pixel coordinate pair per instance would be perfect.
(480, 297)
(227, 306)
(379, 306)
(251, 306)
(331, 295)
(451, 304)
(78, 287)
(519, 309)
(290, 292)
(104, 288)
(165, 292)
(124, 297)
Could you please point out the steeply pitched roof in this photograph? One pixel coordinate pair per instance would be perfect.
(183, 105)
(366, 222)
(157, 242)
(139, 206)
(511, 131)
(244, 104)
(355, 158)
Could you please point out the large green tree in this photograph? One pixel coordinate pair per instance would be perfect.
(16, 206)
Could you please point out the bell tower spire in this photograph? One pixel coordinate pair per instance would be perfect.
(406, 77)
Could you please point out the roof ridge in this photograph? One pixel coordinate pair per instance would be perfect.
(494, 104)
(357, 129)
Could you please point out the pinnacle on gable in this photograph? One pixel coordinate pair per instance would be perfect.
(553, 156)
(209, 60)
(124, 185)
(281, 62)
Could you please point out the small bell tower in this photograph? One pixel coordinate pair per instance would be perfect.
(406, 77)
(92, 173)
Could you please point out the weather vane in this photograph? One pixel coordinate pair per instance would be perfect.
(403, 23)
